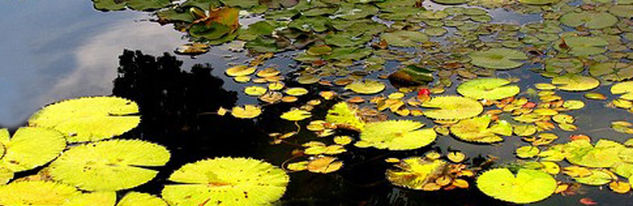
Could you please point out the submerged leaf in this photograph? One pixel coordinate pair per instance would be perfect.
(89, 118)
(526, 187)
(109, 165)
(231, 181)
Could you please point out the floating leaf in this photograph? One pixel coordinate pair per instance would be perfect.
(596, 177)
(450, 2)
(591, 20)
(477, 130)
(109, 165)
(567, 65)
(612, 71)
(140, 199)
(526, 187)
(296, 115)
(452, 108)
(575, 82)
(255, 90)
(231, 181)
(625, 11)
(93, 198)
(140, 5)
(246, 112)
(603, 154)
(396, 135)
(366, 87)
(527, 151)
(324, 165)
(88, 118)
(296, 91)
(415, 172)
(538, 2)
(497, 58)
(624, 88)
(488, 88)
(36, 193)
(343, 114)
(29, 148)
(582, 45)
(403, 38)
(241, 70)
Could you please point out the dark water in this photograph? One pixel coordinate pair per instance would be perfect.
(58, 49)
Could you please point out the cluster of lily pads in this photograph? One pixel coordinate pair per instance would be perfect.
(81, 162)
(346, 44)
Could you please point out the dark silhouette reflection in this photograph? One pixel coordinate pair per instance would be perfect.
(171, 101)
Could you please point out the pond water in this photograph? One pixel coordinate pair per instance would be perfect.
(61, 49)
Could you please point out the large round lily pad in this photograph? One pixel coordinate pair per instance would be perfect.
(488, 88)
(89, 118)
(603, 154)
(230, 181)
(29, 147)
(498, 58)
(526, 187)
(36, 193)
(582, 45)
(563, 65)
(109, 165)
(396, 135)
(575, 82)
(612, 71)
(403, 38)
(591, 20)
(452, 107)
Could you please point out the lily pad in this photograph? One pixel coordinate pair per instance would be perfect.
(36, 193)
(231, 181)
(526, 187)
(591, 20)
(488, 88)
(612, 71)
(498, 58)
(563, 65)
(582, 45)
(452, 108)
(342, 114)
(396, 135)
(366, 87)
(479, 130)
(404, 38)
(89, 118)
(625, 11)
(450, 2)
(624, 88)
(296, 115)
(109, 165)
(29, 148)
(140, 5)
(246, 112)
(538, 2)
(603, 154)
(575, 82)
(415, 172)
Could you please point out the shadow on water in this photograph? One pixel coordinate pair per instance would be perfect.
(174, 106)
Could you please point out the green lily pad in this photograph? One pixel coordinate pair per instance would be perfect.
(366, 87)
(479, 130)
(612, 71)
(140, 5)
(596, 178)
(582, 45)
(498, 58)
(563, 65)
(488, 88)
(450, 2)
(403, 38)
(575, 82)
(603, 154)
(526, 187)
(452, 107)
(396, 135)
(625, 11)
(538, 2)
(591, 20)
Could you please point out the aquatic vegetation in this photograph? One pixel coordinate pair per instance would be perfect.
(28, 148)
(416, 173)
(295, 115)
(452, 107)
(480, 130)
(575, 82)
(395, 135)
(89, 118)
(366, 87)
(488, 88)
(109, 165)
(233, 181)
(623, 88)
(498, 58)
(246, 112)
(526, 186)
(344, 115)
(36, 193)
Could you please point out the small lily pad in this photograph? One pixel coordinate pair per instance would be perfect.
(452, 107)
(498, 58)
(488, 88)
(591, 20)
